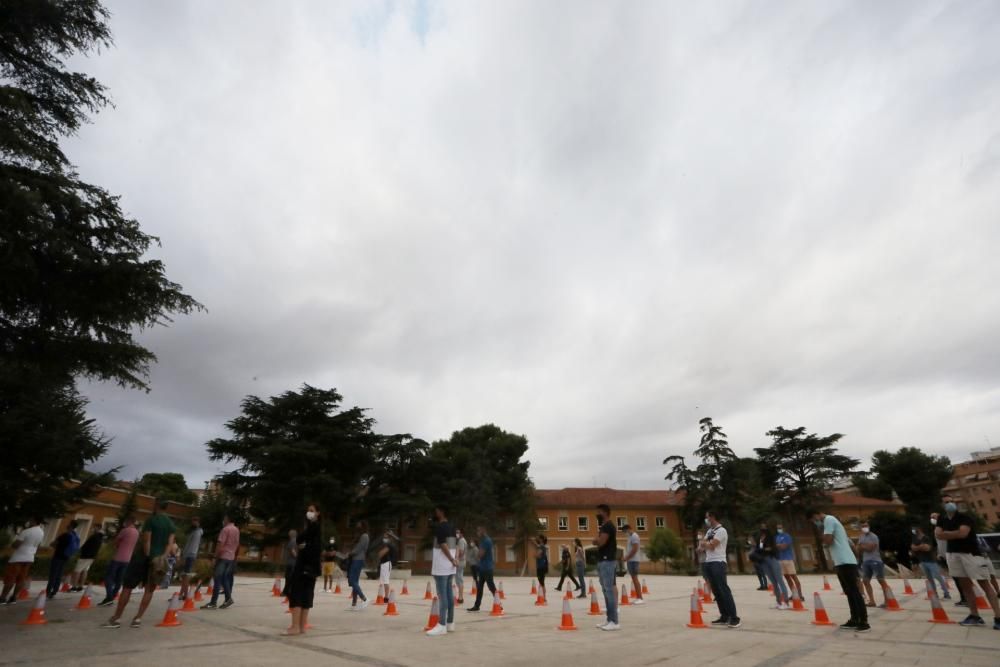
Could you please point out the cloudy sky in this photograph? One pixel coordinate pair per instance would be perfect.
(590, 223)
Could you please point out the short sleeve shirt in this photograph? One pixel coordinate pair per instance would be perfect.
(873, 555)
(633, 541)
(718, 554)
(444, 534)
(965, 545)
(610, 549)
(923, 556)
(193, 543)
(461, 547)
(485, 553)
(841, 547)
(784, 554)
(126, 544)
(160, 527)
(30, 539)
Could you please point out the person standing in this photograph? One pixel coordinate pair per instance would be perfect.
(607, 557)
(771, 567)
(714, 544)
(288, 554)
(329, 564)
(190, 554)
(754, 556)
(923, 552)
(358, 555)
(88, 552)
(461, 546)
(386, 559)
(786, 559)
(632, 563)
(984, 549)
(472, 557)
(484, 573)
(125, 541)
(871, 562)
(699, 554)
(302, 580)
(541, 561)
(846, 564)
(443, 567)
(18, 569)
(566, 569)
(226, 549)
(65, 546)
(147, 564)
(965, 562)
(581, 566)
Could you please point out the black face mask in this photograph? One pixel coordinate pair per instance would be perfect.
(600, 518)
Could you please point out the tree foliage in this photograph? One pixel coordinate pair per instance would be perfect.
(167, 486)
(916, 477)
(664, 546)
(872, 487)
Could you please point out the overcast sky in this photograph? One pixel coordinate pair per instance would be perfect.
(589, 223)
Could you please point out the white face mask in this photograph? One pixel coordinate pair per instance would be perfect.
(933, 522)
(865, 530)
(707, 522)
(780, 531)
(310, 515)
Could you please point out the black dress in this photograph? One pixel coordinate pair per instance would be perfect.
(307, 568)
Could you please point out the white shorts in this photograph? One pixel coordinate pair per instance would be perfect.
(83, 564)
(968, 566)
(383, 573)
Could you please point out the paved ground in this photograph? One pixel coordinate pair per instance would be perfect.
(654, 634)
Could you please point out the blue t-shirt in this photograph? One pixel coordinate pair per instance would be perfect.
(841, 547)
(784, 554)
(485, 554)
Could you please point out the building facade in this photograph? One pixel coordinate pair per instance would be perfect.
(976, 483)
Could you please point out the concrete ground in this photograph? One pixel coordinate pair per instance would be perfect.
(654, 634)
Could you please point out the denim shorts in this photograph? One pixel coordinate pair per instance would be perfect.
(873, 568)
(633, 567)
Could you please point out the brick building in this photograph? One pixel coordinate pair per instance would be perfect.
(976, 483)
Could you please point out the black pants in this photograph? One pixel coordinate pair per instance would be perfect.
(484, 578)
(848, 576)
(288, 576)
(567, 572)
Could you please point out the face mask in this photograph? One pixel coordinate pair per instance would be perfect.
(933, 522)
(819, 523)
(700, 536)
(865, 530)
(780, 531)
(600, 518)
(385, 540)
(950, 508)
(310, 515)
(707, 522)
(914, 531)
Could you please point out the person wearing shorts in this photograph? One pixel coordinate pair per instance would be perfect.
(386, 556)
(786, 559)
(190, 554)
(329, 565)
(632, 563)
(18, 570)
(88, 552)
(871, 562)
(541, 561)
(965, 562)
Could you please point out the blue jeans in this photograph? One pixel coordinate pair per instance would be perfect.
(759, 571)
(606, 575)
(446, 598)
(772, 568)
(113, 578)
(354, 580)
(715, 575)
(223, 579)
(933, 573)
(581, 570)
(55, 575)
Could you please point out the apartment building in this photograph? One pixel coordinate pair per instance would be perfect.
(976, 483)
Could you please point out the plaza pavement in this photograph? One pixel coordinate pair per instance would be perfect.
(654, 634)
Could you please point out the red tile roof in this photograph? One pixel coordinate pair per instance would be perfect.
(853, 500)
(591, 497)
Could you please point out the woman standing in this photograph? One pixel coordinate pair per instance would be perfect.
(581, 567)
(772, 569)
(566, 570)
(307, 568)
(472, 556)
(541, 561)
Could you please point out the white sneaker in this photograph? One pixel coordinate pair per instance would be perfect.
(362, 605)
(451, 627)
(611, 627)
(639, 601)
(600, 626)
(437, 631)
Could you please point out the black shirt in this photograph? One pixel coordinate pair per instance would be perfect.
(965, 545)
(922, 556)
(610, 549)
(307, 561)
(92, 546)
(390, 553)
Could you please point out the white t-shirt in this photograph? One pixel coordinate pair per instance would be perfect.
(440, 565)
(30, 539)
(718, 554)
(462, 551)
(633, 540)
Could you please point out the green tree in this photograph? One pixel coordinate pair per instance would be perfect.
(129, 505)
(894, 537)
(802, 468)
(916, 477)
(167, 486)
(213, 506)
(664, 546)
(293, 449)
(75, 286)
(396, 485)
(871, 486)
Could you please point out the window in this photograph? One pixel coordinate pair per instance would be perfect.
(564, 523)
(253, 552)
(661, 522)
(806, 552)
(640, 523)
(85, 522)
(993, 501)
(510, 555)
(410, 553)
(583, 524)
(109, 526)
(543, 523)
(510, 523)
(428, 554)
(621, 521)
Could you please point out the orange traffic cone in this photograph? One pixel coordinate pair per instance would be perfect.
(433, 619)
(797, 601)
(379, 600)
(65, 587)
(427, 593)
(907, 589)
(826, 584)
(595, 609)
(624, 602)
(706, 594)
(197, 595)
(540, 602)
(938, 614)
(406, 590)
(981, 602)
(891, 604)
(821, 617)
(189, 604)
(696, 621)
(568, 595)
(208, 590)
(85, 601)
(170, 619)
(390, 609)
(497, 609)
(698, 596)
(276, 588)
(534, 589)
(337, 591)
(633, 594)
(645, 588)
(500, 591)
(37, 614)
(25, 592)
(591, 591)
(567, 618)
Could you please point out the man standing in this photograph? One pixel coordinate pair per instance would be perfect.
(965, 563)
(386, 557)
(484, 573)
(871, 562)
(607, 556)
(63, 549)
(226, 549)
(88, 552)
(632, 563)
(461, 547)
(923, 552)
(18, 568)
(714, 544)
(288, 555)
(358, 556)
(190, 555)
(125, 541)
(443, 568)
(147, 564)
(786, 558)
(846, 563)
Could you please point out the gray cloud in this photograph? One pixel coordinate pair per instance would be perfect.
(589, 223)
